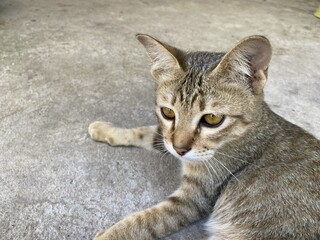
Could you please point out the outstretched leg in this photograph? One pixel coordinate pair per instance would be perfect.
(145, 137)
(191, 202)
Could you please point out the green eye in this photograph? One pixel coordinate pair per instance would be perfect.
(167, 113)
(211, 120)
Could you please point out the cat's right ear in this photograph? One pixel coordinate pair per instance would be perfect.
(165, 65)
(247, 63)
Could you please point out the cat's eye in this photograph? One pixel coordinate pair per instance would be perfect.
(211, 120)
(167, 113)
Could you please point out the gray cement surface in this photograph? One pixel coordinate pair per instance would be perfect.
(65, 63)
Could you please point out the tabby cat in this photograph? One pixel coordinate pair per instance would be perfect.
(257, 174)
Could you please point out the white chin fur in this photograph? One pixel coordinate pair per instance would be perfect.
(189, 157)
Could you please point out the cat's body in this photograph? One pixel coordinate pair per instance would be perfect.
(257, 174)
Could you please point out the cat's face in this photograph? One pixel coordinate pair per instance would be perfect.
(196, 123)
(205, 100)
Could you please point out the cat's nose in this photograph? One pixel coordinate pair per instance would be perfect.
(182, 150)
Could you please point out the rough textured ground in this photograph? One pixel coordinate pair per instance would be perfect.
(64, 64)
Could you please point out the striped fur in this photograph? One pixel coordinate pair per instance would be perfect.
(256, 174)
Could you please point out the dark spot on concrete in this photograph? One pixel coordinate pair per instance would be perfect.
(100, 24)
(281, 51)
(294, 91)
(64, 5)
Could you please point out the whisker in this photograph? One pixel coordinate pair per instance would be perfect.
(212, 167)
(161, 155)
(159, 147)
(159, 152)
(166, 153)
(235, 158)
(158, 134)
(205, 164)
(158, 144)
(226, 169)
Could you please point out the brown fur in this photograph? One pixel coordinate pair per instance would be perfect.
(256, 174)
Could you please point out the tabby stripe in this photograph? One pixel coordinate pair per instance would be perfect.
(199, 82)
(173, 125)
(180, 219)
(157, 140)
(202, 104)
(194, 98)
(177, 201)
(222, 133)
(174, 99)
(192, 181)
(181, 96)
(151, 222)
(172, 210)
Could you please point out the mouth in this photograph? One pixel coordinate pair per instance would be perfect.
(172, 151)
(189, 157)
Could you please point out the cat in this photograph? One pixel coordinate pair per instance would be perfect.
(256, 174)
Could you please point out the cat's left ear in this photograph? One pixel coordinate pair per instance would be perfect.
(165, 64)
(247, 63)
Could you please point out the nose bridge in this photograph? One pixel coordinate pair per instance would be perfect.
(183, 135)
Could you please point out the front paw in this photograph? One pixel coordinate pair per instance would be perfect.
(102, 132)
(108, 234)
(100, 235)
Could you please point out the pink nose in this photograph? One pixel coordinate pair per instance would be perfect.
(182, 151)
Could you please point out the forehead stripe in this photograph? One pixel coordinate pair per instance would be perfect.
(202, 104)
(174, 99)
(194, 98)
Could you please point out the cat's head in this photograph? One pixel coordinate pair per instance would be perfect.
(204, 99)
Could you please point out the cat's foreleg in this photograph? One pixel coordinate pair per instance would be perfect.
(145, 137)
(187, 205)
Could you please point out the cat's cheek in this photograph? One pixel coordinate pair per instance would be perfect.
(231, 129)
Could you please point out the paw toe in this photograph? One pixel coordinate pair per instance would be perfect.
(103, 132)
(99, 234)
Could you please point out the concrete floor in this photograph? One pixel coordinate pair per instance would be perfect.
(64, 64)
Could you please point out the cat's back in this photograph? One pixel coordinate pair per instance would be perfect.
(289, 167)
(289, 143)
